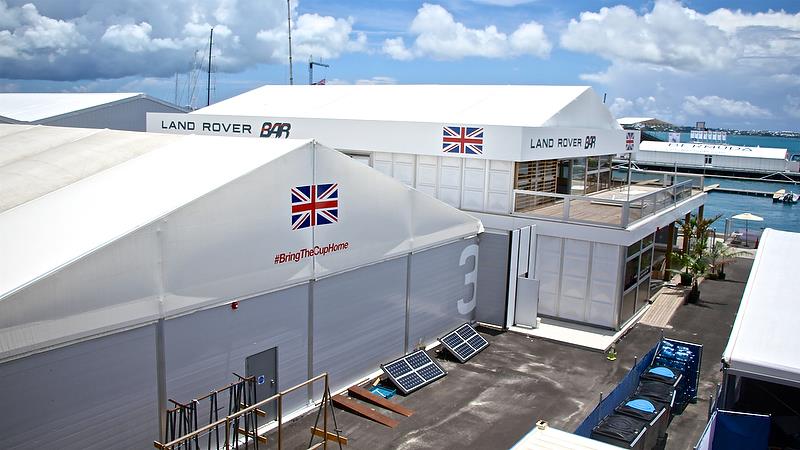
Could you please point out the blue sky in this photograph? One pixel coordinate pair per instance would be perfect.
(733, 64)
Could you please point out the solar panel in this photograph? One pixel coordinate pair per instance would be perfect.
(413, 371)
(464, 342)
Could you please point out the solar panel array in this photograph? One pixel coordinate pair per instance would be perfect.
(464, 342)
(413, 371)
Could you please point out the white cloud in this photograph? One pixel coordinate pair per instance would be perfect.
(792, 106)
(693, 63)
(377, 80)
(439, 36)
(504, 2)
(102, 39)
(716, 106)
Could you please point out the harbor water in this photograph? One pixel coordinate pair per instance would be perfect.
(781, 216)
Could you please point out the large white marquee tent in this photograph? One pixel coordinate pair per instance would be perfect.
(118, 276)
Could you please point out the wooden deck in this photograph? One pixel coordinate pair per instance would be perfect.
(581, 211)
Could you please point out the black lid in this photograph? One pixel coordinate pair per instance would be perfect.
(618, 426)
(655, 390)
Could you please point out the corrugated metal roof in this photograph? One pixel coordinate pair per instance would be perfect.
(32, 107)
(527, 106)
(764, 338)
(714, 149)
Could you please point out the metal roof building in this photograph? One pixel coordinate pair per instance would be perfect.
(156, 266)
(118, 111)
(713, 156)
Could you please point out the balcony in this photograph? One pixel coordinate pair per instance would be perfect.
(619, 207)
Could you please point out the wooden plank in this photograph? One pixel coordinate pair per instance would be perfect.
(357, 408)
(363, 394)
(331, 436)
(262, 439)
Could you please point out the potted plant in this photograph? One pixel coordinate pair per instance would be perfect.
(718, 255)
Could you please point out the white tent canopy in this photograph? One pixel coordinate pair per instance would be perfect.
(763, 342)
(36, 107)
(189, 223)
(715, 149)
(564, 120)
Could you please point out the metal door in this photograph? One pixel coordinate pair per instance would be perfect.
(264, 367)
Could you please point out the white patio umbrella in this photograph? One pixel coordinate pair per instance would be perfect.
(747, 217)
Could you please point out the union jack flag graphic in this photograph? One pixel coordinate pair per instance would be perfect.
(629, 141)
(465, 140)
(316, 204)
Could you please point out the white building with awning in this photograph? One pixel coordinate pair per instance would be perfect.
(534, 163)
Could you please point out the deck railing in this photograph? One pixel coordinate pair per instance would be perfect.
(599, 210)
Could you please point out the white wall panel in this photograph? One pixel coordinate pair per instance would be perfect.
(499, 187)
(427, 174)
(450, 181)
(359, 321)
(574, 279)
(403, 168)
(382, 162)
(548, 272)
(474, 195)
(603, 300)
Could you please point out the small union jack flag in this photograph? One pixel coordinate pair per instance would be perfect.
(629, 141)
(316, 204)
(465, 140)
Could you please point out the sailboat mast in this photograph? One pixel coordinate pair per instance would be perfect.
(210, 44)
(289, 16)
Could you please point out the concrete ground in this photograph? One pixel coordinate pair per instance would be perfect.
(494, 399)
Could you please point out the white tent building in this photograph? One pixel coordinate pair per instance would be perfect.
(762, 348)
(716, 157)
(119, 278)
(117, 111)
(532, 162)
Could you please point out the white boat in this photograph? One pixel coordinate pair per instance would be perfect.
(790, 197)
(778, 195)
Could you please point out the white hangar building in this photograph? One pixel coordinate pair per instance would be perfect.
(530, 158)
(117, 111)
(698, 155)
(120, 275)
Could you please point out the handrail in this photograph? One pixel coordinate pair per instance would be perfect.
(649, 204)
(228, 419)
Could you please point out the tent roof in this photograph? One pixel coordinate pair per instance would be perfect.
(95, 209)
(764, 338)
(36, 160)
(524, 106)
(33, 107)
(714, 149)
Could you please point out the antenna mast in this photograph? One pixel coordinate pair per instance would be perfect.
(289, 16)
(210, 43)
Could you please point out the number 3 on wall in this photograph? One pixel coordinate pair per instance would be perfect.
(465, 307)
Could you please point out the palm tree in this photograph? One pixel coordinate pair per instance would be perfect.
(696, 261)
(718, 255)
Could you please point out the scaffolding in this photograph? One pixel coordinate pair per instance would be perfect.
(239, 428)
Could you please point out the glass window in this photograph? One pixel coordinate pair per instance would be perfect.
(646, 263)
(578, 176)
(604, 180)
(633, 249)
(605, 162)
(644, 293)
(591, 183)
(592, 162)
(647, 241)
(631, 273)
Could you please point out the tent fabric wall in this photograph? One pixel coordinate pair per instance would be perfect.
(731, 430)
(201, 350)
(96, 394)
(441, 296)
(358, 321)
